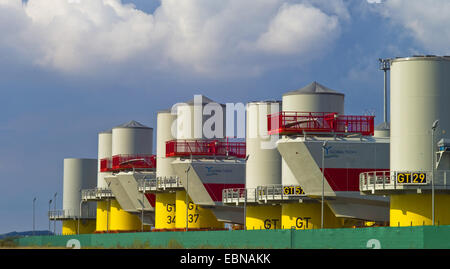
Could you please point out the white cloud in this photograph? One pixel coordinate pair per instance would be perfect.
(298, 29)
(425, 21)
(206, 37)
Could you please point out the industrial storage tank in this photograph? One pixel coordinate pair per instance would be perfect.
(264, 161)
(79, 174)
(419, 96)
(314, 98)
(165, 201)
(263, 166)
(164, 133)
(134, 140)
(104, 151)
(200, 118)
(103, 206)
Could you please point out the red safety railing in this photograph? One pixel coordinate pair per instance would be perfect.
(127, 162)
(122, 162)
(204, 148)
(319, 122)
(105, 165)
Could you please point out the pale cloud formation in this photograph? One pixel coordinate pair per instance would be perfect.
(297, 29)
(424, 21)
(203, 37)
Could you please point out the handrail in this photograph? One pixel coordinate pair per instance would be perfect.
(122, 162)
(97, 193)
(187, 148)
(401, 180)
(261, 194)
(288, 122)
(86, 213)
(160, 184)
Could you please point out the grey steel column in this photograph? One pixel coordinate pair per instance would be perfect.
(323, 182)
(187, 191)
(433, 128)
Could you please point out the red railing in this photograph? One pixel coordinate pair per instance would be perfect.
(105, 165)
(319, 122)
(127, 162)
(206, 148)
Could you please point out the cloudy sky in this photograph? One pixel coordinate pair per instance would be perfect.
(72, 68)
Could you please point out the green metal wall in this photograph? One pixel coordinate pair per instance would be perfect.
(360, 238)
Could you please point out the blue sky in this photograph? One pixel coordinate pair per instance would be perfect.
(70, 69)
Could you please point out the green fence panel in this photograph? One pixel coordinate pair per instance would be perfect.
(360, 238)
(437, 237)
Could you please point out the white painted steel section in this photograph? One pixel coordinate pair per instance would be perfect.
(132, 140)
(419, 95)
(313, 101)
(165, 122)
(304, 158)
(208, 172)
(104, 151)
(264, 161)
(79, 174)
(125, 189)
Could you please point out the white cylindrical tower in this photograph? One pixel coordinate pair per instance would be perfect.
(419, 96)
(132, 138)
(200, 118)
(104, 151)
(165, 122)
(314, 98)
(264, 161)
(79, 174)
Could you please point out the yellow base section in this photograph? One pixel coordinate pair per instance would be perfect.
(165, 211)
(198, 217)
(122, 220)
(266, 217)
(304, 216)
(103, 216)
(70, 227)
(415, 210)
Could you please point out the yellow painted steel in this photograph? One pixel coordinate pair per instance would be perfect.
(305, 216)
(103, 216)
(165, 211)
(122, 220)
(415, 210)
(70, 227)
(262, 217)
(198, 217)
